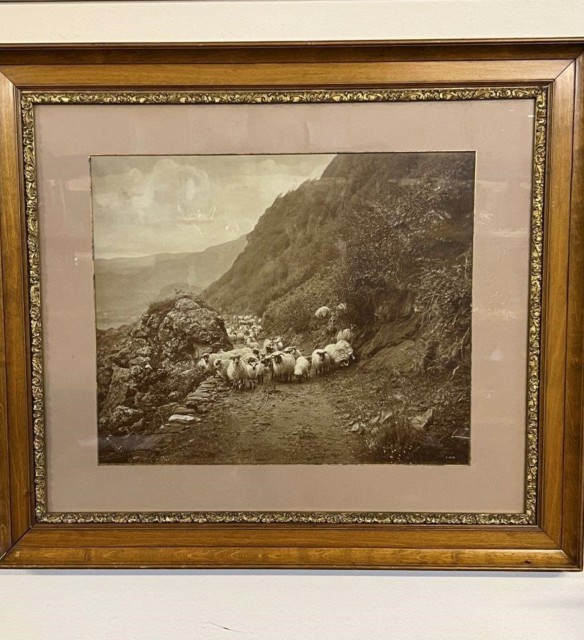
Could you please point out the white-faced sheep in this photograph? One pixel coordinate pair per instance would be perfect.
(345, 334)
(321, 361)
(323, 312)
(237, 372)
(302, 369)
(278, 344)
(255, 372)
(283, 366)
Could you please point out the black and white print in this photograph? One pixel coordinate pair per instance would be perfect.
(284, 309)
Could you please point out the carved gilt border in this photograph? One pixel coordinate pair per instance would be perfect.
(538, 94)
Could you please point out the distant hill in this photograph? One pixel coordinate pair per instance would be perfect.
(124, 287)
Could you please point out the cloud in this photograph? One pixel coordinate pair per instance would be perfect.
(150, 204)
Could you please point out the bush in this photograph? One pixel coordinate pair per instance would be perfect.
(397, 441)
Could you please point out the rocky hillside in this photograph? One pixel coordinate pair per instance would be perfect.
(125, 286)
(389, 235)
(143, 368)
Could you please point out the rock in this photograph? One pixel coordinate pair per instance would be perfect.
(375, 419)
(390, 334)
(146, 365)
(356, 428)
(423, 421)
(124, 417)
(397, 358)
(118, 389)
(184, 411)
(183, 419)
(168, 408)
(385, 416)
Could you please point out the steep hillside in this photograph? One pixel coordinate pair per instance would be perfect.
(385, 241)
(371, 232)
(124, 287)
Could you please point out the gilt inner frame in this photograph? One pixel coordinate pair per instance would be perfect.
(538, 94)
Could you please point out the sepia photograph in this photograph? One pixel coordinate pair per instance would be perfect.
(284, 309)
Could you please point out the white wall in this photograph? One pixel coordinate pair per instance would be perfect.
(92, 605)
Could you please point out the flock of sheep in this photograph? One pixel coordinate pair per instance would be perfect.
(249, 364)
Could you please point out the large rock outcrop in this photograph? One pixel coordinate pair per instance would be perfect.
(145, 367)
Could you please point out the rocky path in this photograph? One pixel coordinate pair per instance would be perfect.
(294, 423)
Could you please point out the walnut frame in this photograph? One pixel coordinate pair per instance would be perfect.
(549, 537)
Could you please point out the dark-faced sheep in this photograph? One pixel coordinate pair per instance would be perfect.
(321, 361)
(283, 366)
(339, 354)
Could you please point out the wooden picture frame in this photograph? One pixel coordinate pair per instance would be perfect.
(548, 535)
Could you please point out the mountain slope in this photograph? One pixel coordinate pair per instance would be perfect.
(124, 287)
(337, 239)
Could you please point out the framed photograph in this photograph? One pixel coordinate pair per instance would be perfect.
(292, 306)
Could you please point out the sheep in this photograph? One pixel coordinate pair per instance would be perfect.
(221, 366)
(240, 337)
(294, 351)
(302, 369)
(210, 359)
(321, 361)
(345, 334)
(268, 345)
(283, 366)
(278, 344)
(323, 312)
(255, 371)
(268, 368)
(340, 354)
(237, 372)
(202, 364)
(251, 343)
(248, 358)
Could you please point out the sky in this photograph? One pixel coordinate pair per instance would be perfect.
(144, 205)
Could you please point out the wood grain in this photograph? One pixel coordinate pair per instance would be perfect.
(285, 75)
(279, 52)
(555, 297)
(372, 536)
(14, 316)
(291, 557)
(572, 530)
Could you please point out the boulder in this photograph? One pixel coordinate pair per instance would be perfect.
(424, 420)
(183, 419)
(400, 358)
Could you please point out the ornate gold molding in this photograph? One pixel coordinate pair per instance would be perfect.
(538, 94)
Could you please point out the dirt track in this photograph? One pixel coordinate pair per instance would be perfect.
(275, 423)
